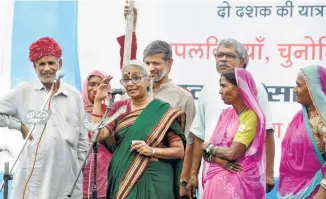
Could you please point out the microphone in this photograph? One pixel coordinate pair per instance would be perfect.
(117, 91)
(58, 75)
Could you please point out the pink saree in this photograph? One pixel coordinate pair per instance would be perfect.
(301, 168)
(251, 181)
(103, 155)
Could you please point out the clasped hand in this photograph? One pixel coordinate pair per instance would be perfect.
(141, 147)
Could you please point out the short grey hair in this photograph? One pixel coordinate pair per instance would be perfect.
(142, 68)
(158, 46)
(239, 48)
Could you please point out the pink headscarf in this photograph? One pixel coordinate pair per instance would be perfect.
(251, 181)
(84, 92)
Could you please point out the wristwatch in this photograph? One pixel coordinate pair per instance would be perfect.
(183, 183)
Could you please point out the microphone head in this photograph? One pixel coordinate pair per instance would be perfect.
(120, 91)
(59, 74)
(123, 91)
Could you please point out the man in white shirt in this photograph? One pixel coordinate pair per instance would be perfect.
(230, 54)
(50, 161)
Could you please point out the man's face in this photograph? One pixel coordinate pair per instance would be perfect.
(158, 67)
(46, 67)
(227, 58)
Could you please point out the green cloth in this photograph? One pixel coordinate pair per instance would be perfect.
(156, 181)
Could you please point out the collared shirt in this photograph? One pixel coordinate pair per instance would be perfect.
(181, 99)
(63, 144)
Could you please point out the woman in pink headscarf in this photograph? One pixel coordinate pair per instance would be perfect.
(89, 90)
(234, 164)
(304, 145)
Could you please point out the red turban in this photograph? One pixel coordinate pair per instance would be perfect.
(45, 46)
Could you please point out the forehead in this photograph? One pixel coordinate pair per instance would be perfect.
(227, 49)
(223, 80)
(131, 70)
(94, 78)
(155, 57)
(300, 79)
(47, 59)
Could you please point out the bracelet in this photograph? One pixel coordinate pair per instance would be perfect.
(209, 147)
(209, 158)
(214, 150)
(95, 115)
(153, 152)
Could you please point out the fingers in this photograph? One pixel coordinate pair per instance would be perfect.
(235, 168)
(102, 87)
(106, 80)
(137, 144)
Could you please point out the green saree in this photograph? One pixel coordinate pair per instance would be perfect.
(134, 176)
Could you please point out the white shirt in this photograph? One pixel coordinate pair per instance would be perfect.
(210, 106)
(63, 145)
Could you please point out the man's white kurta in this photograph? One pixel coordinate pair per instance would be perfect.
(63, 145)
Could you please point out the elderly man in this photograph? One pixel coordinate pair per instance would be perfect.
(158, 57)
(230, 54)
(53, 155)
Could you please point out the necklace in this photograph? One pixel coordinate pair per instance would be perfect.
(245, 108)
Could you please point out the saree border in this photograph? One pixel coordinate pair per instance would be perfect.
(306, 121)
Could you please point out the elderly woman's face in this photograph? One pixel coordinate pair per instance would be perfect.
(93, 83)
(301, 91)
(135, 82)
(228, 91)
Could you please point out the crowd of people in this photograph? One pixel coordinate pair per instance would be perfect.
(163, 146)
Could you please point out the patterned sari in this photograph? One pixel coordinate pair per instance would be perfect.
(251, 181)
(301, 168)
(135, 176)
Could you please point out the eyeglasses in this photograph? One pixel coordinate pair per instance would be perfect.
(134, 79)
(229, 57)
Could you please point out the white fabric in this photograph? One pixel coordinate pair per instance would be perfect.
(210, 106)
(62, 147)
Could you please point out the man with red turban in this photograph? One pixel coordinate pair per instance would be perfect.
(54, 153)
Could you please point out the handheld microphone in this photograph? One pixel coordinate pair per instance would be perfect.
(58, 75)
(117, 91)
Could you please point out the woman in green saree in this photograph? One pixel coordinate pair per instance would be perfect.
(147, 156)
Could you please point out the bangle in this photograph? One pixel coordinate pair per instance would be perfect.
(96, 115)
(214, 150)
(209, 159)
(209, 147)
(153, 152)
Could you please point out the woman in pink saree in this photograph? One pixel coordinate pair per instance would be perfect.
(88, 93)
(303, 146)
(234, 164)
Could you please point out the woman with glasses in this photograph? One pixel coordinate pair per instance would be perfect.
(150, 143)
(234, 157)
